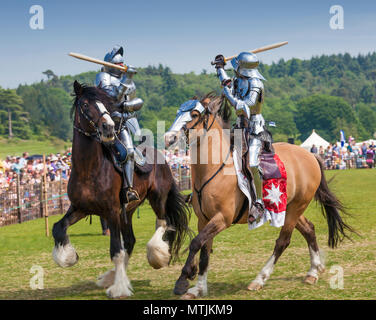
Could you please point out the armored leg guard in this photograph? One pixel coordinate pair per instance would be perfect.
(128, 168)
(258, 206)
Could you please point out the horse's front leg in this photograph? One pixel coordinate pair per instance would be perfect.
(63, 253)
(121, 286)
(214, 226)
(201, 287)
(107, 279)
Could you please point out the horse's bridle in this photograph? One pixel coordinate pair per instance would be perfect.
(202, 118)
(94, 124)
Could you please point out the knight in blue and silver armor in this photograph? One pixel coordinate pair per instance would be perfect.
(120, 86)
(245, 92)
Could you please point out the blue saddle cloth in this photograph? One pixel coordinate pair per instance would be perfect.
(119, 151)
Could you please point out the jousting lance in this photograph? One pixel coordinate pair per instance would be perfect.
(262, 49)
(123, 68)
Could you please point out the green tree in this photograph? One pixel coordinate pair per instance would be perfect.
(321, 112)
(367, 116)
(11, 109)
(367, 94)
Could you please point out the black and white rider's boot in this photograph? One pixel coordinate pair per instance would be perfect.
(128, 170)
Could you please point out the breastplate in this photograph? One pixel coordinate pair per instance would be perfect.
(242, 88)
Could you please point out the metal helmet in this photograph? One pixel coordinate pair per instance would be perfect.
(115, 56)
(246, 64)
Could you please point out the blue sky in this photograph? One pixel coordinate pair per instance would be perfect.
(184, 35)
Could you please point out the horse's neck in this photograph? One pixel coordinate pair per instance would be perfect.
(87, 155)
(208, 154)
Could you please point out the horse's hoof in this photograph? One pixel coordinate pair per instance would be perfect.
(181, 287)
(188, 296)
(65, 256)
(254, 286)
(310, 280)
(118, 291)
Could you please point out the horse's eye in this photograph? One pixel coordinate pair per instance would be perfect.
(85, 105)
(194, 115)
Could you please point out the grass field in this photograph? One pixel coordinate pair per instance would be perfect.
(238, 256)
(16, 147)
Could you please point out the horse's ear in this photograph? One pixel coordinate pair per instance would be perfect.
(205, 102)
(77, 88)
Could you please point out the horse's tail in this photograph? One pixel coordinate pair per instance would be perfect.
(331, 208)
(177, 218)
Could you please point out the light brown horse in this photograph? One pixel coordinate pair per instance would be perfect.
(222, 201)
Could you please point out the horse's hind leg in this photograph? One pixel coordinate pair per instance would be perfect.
(292, 215)
(63, 253)
(307, 229)
(158, 250)
(281, 244)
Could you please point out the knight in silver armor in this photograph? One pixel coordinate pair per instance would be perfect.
(120, 86)
(245, 92)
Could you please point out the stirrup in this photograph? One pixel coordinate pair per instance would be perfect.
(131, 195)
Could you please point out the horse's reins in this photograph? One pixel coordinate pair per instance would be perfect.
(199, 191)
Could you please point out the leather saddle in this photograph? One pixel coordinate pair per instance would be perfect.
(118, 154)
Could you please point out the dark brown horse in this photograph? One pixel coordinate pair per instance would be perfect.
(94, 188)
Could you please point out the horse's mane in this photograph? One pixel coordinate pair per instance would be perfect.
(218, 102)
(92, 93)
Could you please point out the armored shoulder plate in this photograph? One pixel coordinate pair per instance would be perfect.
(102, 79)
(108, 83)
(128, 86)
(256, 83)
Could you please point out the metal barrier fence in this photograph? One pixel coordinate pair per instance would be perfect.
(182, 177)
(347, 162)
(20, 203)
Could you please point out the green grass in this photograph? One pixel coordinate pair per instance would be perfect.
(15, 147)
(238, 256)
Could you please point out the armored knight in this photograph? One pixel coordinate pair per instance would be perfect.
(245, 92)
(120, 86)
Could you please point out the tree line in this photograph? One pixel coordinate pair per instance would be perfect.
(326, 93)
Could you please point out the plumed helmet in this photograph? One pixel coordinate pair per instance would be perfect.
(115, 56)
(246, 64)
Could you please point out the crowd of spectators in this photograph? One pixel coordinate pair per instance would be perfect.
(177, 158)
(30, 169)
(352, 155)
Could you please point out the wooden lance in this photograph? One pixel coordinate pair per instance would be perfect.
(262, 49)
(123, 68)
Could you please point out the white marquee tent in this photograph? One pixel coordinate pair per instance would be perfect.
(314, 139)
